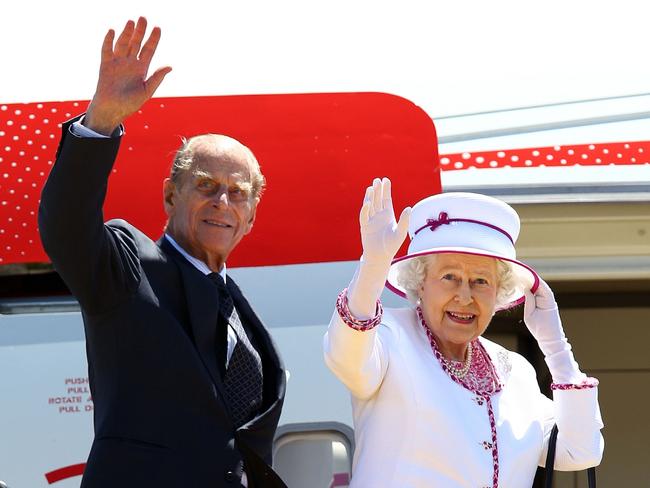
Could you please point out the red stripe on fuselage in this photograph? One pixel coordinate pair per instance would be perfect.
(65, 473)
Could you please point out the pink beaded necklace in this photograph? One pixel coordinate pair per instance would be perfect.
(481, 379)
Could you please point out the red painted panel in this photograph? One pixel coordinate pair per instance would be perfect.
(318, 152)
(65, 473)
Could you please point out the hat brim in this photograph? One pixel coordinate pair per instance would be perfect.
(527, 276)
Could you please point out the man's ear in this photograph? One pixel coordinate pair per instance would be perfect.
(251, 219)
(169, 195)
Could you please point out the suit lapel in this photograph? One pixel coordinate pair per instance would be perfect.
(203, 310)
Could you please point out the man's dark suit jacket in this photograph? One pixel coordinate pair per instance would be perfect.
(160, 415)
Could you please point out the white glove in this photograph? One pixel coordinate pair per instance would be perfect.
(542, 318)
(381, 237)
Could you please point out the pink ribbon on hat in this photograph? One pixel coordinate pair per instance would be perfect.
(443, 219)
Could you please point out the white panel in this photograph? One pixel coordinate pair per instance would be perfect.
(46, 420)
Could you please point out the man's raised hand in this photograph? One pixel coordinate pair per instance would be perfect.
(123, 86)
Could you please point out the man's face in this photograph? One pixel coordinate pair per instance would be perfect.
(212, 206)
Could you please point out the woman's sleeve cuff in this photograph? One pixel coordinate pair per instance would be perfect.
(583, 385)
(351, 321)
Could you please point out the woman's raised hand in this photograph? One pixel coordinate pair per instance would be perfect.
(123, 86)
(381, 234)
(541, 314)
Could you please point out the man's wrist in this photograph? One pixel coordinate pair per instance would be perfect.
(101, 121)
(81, 130)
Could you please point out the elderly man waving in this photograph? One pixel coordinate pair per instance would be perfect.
(187, 383)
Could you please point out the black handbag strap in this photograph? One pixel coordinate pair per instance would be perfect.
(550, 463)
(550, 458)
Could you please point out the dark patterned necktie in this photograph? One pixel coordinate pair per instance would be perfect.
(242, 379)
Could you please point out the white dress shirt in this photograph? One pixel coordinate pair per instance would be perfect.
(203, 268)
(416, 428)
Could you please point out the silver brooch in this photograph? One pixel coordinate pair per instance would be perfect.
(505, 366)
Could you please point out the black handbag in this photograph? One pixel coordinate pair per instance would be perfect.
(550, 463)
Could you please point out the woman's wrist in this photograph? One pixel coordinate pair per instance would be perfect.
(366, 288)
(374, 266)
(343, 309)
(563, 367)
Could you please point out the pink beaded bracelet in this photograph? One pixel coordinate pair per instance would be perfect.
(587, 383)
(351, 321)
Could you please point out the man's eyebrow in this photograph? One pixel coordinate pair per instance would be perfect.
(199, 173)
(244, 185)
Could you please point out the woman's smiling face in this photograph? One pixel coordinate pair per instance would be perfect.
(458, 299)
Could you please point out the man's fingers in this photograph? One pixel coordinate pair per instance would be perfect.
(136, 38)
(107, 46)
(149, 48)
(154, 81)
(122, 43)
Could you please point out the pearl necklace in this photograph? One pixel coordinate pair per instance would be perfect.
(460, 373)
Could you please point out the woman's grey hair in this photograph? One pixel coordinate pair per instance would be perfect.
(411, 274)
(185, 157)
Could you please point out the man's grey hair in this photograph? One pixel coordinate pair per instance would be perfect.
(411, 274)
(185, 157)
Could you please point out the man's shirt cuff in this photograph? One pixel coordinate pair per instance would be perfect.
(80, 130)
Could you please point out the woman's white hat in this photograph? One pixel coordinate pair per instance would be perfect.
(467, 223)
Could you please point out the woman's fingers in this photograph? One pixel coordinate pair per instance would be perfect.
(367, 201)
(376, 200)
(529, 304)
(403, 223)
(364, 214)
(378, 197)
(544, 297)
(386, 198)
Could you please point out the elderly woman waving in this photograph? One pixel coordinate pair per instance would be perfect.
(434, 403)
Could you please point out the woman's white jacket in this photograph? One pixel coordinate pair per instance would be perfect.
(416, 428)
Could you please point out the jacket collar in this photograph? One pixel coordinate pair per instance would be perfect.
(197, 263)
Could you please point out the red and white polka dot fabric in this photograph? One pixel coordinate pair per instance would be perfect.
(611, 153)
(29, 134)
